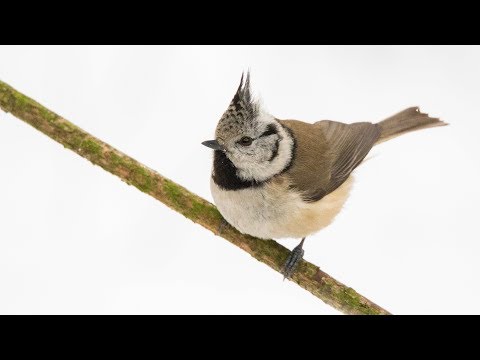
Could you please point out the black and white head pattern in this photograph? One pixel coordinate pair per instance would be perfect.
(257, 147)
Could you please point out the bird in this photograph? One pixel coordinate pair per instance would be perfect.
(274, 178)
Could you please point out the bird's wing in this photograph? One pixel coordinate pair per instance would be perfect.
(326, 154)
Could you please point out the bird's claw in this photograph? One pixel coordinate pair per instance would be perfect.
(292, 261)
(222, 225)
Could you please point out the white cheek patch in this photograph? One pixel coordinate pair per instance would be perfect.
(259, 167)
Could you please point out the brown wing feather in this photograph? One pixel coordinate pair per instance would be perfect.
(326, 154)
(349, 144)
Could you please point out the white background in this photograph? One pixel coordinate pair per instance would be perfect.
(75, 239)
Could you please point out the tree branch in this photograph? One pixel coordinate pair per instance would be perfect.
(129, 170)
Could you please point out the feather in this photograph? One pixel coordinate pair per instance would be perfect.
(410, 119)
(326, 154)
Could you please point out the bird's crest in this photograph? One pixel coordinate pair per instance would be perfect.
(242, 107)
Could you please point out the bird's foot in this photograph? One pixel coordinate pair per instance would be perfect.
(293, 260)
(222, 226)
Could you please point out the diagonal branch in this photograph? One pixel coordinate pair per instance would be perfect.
(129, 170)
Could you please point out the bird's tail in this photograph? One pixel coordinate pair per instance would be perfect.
(410, 119)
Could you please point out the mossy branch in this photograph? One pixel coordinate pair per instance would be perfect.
(129, 170)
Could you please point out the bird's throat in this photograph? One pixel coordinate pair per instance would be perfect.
(225, 174)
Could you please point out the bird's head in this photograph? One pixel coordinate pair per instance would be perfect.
(256, 143)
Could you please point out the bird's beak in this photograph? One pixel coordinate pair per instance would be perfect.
(213, 144)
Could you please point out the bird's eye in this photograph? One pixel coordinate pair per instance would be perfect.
(245, 141)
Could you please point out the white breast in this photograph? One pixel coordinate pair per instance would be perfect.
(274, 211)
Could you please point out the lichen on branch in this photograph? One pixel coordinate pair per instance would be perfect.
(175, 196)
